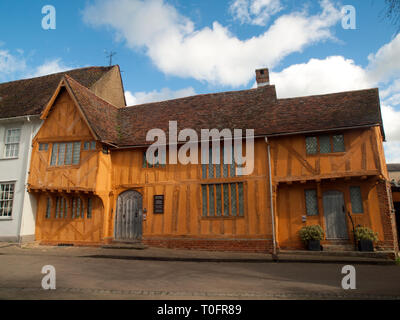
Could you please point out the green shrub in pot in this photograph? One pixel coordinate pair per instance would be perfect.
(365, 238)
(311, 236)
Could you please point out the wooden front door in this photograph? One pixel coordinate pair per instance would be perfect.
(335, 215)
(128, 219)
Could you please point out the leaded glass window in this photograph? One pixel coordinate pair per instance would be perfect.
(311, 202)
(218, 199)
(68, 154)
(226, 199)
(61, 208)
(48, 208)
(77, 153)
(324, 144)
(223, 199)
(356, 200)
(89, 208)
(152, 162)
(204, 196)
(211, 211)
(312, 145)
(65, 153)
(43, 146)
(338, 143)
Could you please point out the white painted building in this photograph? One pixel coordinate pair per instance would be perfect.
(15, 150)
(21, 103)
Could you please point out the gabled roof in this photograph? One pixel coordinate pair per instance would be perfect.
(30, 96)
(101, 116)
(257, 109)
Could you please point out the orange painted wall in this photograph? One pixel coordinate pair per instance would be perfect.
(181, 186)
(362, 156)
(77, 230)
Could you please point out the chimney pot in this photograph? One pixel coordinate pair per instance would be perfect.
(262, 77)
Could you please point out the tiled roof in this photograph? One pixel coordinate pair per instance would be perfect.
(245, 109)
(393, 167)
(101, 115)
(326, 112)
(257, 109)
(30, 96)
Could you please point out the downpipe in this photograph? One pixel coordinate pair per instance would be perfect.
(271, 196)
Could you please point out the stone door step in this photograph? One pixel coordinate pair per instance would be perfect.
(372, 255)
(133, 245)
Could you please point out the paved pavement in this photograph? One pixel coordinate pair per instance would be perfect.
(95, 273)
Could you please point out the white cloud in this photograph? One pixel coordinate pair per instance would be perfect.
(385, 64)
(211, 54)
(256, 12)
(330, 75)
(392, 152)
(10, 64)
(49, 67)
(391, 119)
(153, 96)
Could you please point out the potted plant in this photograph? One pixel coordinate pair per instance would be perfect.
(365, 238)
(311, 236)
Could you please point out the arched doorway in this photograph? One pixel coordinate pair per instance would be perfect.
(128, 218)
(335, 215)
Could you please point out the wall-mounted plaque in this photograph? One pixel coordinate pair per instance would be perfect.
(158, 204)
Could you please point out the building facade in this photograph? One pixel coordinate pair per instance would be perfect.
(394, 177)
(317, 160)
(21, 103)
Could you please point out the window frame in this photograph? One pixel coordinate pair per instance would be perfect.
(56, 163)
(147, 165)
(88, 145)
(316, 200)
(2, 216)
(45, 147)
(61, 208)
(7, 144)
(78, 208)
(361, 199)
(236, 209)
(331, 143)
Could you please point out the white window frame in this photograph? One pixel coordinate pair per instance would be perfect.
(14, 183)
(6, 143)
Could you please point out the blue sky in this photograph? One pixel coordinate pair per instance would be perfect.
(173, 48)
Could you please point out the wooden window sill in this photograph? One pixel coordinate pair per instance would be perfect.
(222, 217)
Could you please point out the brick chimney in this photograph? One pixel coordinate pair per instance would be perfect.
(262, 77)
